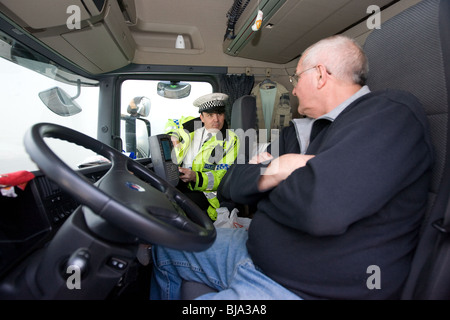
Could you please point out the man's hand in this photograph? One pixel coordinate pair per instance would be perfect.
(187, 175)
(261, 157)
(280, 168)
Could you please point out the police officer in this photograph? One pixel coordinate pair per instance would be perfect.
(205, 149)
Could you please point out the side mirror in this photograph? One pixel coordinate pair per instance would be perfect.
(137, 129)
(173, 89)
(60, 102)
(139, 107)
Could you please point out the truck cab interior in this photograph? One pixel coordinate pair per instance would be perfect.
(104, 214)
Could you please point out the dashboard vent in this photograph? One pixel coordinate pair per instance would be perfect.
(48, 188)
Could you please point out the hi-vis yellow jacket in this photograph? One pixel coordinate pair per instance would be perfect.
(212, 161)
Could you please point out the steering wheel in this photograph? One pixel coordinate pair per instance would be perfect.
(129, 196)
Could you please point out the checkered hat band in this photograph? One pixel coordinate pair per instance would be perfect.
(211, 104)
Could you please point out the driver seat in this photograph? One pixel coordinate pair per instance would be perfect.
(191, 290)
(411, 51)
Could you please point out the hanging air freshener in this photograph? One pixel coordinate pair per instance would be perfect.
(258, 21)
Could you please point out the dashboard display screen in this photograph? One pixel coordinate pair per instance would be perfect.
(166, 149)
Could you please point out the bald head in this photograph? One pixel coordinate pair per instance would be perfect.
(328, 73)
(342, 56)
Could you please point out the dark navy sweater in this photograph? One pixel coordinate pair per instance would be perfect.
(345, 225)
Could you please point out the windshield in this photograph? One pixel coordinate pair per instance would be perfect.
(27, 81)
(145, 110)
(162, 109)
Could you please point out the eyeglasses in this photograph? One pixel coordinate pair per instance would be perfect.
(296, 76)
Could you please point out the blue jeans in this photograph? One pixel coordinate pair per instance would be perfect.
(226, 266)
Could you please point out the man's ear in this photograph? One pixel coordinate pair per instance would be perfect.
(321, 76)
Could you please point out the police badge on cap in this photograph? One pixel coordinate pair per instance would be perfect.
(211, 103)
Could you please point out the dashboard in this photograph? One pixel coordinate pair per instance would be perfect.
(29, 221)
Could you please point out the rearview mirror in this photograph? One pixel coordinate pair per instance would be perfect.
(173, 89)
(60, 102)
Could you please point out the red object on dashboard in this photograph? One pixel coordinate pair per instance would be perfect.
(18, 178)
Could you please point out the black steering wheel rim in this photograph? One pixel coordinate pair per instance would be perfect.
(187, 229)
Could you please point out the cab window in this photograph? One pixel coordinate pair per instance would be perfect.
(27, 82)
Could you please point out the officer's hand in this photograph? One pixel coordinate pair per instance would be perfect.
(187, 175)
(175, 141)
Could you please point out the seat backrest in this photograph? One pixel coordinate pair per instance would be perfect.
(243, 113)
(411, 51)
(243, 116)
